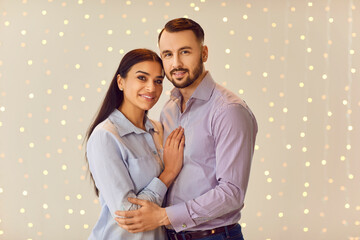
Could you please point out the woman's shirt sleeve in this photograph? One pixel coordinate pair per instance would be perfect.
(112, 177)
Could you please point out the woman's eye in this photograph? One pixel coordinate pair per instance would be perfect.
(142, 78)
(159, 81)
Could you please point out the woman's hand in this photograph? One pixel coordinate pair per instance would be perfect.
(173, 156)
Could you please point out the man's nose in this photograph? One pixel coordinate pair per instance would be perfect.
(177, 63)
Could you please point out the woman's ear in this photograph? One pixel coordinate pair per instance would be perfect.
(120, 82)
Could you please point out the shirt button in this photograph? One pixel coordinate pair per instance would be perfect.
(154, 152)
(184, 225)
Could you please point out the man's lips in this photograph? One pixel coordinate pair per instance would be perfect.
(178, 73)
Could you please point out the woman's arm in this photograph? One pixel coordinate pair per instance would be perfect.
(112, 177)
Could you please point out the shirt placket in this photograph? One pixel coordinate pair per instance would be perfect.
(155, 151)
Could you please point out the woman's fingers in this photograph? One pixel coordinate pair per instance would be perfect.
(179, 138)
(182, 143)
(168, 140)
(176, 138)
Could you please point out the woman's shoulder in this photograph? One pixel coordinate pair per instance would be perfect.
(105, 129)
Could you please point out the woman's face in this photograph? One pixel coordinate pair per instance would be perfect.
(142, 86)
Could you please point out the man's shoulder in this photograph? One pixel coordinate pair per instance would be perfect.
(225, 97)
(168, 106)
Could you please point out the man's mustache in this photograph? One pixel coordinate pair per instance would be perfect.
(178, 69)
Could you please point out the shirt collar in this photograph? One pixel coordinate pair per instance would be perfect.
(202, 92)
(125, 127)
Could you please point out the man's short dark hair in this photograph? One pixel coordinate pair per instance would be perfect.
(182, 24)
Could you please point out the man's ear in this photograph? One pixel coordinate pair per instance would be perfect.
(120, 82)
(205, 53)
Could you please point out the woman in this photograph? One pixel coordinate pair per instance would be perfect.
(124, 147)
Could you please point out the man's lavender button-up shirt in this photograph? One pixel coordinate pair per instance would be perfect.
(220, 132)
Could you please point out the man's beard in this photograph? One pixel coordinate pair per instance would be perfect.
(190, 79)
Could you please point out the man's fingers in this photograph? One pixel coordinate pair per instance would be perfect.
(127, 214)
(129, 225)
(137, 201)
(125, 221)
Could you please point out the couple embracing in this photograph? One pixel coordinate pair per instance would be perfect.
(186, 176)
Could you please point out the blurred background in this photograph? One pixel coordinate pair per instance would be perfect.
(295, 62)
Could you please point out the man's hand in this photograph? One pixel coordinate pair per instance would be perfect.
(146, 218)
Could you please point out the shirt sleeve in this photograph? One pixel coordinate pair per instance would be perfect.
(111, 175)
(234, 131)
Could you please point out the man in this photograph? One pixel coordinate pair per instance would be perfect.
(220, 130)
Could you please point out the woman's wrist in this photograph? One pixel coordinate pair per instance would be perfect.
(167, 177)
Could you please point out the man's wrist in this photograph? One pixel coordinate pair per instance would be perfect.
(164, 218)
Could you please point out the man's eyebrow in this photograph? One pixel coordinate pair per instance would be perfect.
(180, 49)
(165, 51)
(186, 47)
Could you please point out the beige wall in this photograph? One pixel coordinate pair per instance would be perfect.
(296, 63)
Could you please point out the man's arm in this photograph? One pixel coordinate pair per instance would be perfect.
(234, 129)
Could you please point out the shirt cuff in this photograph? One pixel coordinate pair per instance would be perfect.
(157, 186)
(179, 217)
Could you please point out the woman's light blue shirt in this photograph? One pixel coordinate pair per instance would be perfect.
(125, 161)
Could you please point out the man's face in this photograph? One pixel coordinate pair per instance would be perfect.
(182, 57)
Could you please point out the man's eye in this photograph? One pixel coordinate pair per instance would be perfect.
(185, 52)
(167, 55)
